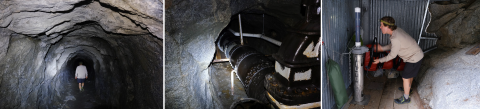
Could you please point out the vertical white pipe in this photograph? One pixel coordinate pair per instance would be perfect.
(241, 33)
(231, 80)
(421, 27)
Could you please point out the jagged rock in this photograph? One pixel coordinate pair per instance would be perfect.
(457, 28)
(50, 17)
(450, 79)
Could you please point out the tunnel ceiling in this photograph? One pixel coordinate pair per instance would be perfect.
(53, 17)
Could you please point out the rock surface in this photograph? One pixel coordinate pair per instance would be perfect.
(35, 18)
(450, 79)
(457, 25)
(192, 29)
(41, 42)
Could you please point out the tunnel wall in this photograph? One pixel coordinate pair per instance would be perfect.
(128, 69)
(192, 30)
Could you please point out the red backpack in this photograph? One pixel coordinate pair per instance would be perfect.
(396, 63)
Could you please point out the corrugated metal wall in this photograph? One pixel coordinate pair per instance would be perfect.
(408, 15)
(338, 27)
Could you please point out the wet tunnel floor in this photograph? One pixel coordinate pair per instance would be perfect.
(82, 100)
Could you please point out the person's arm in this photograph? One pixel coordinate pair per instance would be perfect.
(76, 73)
(395, 48)
(86, 73)
(386, 47)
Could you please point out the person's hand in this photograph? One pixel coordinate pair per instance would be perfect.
(75, 77)
(376, 61)
(86, 77)
(377, 48)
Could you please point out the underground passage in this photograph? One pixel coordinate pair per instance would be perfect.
(242, 54)
(119, 43)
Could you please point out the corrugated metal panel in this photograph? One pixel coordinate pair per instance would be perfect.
(338, 26)
(408, 15)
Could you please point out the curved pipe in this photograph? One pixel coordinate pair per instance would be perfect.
(250, 65)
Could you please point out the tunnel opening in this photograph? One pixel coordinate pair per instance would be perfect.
(120, 75)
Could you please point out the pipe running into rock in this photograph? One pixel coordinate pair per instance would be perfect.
(250, 65)
(261, 36)
(241, 33)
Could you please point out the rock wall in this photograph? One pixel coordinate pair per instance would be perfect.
(458, 25)
(58, 16)
(450, 79)
(35, 73)
(192, 29)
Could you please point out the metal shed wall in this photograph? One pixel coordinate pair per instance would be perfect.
(408, 15)
(338, 25)
(338, 20)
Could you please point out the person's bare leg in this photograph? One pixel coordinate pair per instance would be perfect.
(406, 86)
(80, 86)
(411, 82)
(83, 84)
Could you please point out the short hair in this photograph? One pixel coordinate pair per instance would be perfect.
(80, 63)
(390, 21)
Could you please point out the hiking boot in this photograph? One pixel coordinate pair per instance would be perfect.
(402, 100)
(401, 89)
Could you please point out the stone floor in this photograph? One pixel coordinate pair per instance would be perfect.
(82, 100)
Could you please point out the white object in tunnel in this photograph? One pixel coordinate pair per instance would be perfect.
(81, 72)
(299, 76)
(285, 72)
(312, 51)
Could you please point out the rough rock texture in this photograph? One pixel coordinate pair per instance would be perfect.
(193, 27)
(49, 17)
(458, 25)
(42, 41)
(451, 79)
(221, 86)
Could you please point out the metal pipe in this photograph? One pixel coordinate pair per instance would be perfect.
(427, 38)
(432, 48)
(357, 27)
(423, 23)
(250, 65)
(358, 51)
(240, 23)
(278, 43)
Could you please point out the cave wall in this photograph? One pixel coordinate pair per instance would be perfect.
(35, 73)
(192, 30)
(57, 16)
(457, 24)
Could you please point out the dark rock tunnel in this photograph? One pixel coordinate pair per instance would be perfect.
(121, 44)
(193, 30)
